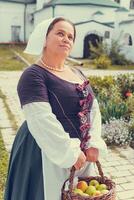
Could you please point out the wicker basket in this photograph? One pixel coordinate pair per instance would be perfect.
(69, 195)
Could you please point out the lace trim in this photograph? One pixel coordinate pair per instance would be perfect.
(85, 104)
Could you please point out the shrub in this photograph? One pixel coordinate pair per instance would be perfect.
(112, 51)
(125, 83)
(116, 132)
(102, 62)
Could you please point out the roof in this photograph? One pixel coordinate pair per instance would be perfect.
(20, 1)
(98, 13)
(89, 21)
(106, 3)
(127, 21)
(122, 9)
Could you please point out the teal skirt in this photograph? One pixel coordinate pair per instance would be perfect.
(25, 175)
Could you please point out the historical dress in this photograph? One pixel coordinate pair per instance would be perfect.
(59, 114)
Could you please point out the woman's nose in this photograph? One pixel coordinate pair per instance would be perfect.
(66, 39)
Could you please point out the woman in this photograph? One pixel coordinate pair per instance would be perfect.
(63, 122)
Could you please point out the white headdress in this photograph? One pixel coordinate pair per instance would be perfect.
(37, 38)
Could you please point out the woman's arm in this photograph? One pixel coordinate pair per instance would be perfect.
(97, 146)
(51, 137)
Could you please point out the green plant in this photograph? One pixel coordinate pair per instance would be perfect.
(97, 51)
(113, 110)
(102, 62)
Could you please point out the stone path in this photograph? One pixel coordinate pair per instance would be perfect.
(119, 165)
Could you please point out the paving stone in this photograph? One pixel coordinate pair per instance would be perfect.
(118, 165)
(121, 180)
(110, 169)
(112, 164)
(121, 173)
(123, 195)
(130, 178)
(119, 188)
(124, 167)
(132, 171)
(128, 186)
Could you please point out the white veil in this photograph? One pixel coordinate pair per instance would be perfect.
(37, 38)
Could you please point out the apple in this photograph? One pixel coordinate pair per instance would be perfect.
(82, 185)
(77, 191)
(94, 183)
(90, 190)
(97, 193)
(104, 191)
(101, 187)
(85, 194)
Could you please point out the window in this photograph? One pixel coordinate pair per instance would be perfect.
(118, 1)
(107, 34)
(130, 43)
(128, 39)
(15, 33)
(132, 4)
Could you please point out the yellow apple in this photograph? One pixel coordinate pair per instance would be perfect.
(82, 185)
(85, 194)
(77, 191)
(104, 191)
(97, 193)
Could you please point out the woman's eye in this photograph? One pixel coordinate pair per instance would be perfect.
(70, 37)
(60, 34)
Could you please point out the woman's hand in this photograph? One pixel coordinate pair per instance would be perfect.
(80, 161)
(92, 154)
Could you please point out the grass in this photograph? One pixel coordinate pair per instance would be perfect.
(3, 166)
(9, 61)
(3, 153)
(90, 65)
(11, 117)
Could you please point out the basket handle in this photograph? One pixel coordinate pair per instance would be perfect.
(72, 172)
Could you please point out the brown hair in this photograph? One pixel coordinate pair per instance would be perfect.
(56, 20)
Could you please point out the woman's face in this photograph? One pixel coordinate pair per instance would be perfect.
(60, 39)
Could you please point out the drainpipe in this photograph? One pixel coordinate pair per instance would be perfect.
(25, 7)
(53, 11)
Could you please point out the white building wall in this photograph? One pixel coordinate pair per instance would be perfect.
(125, 3)
(84, 29)
(40, 3)
(11, 14)
(127, 50)
(42, 15)
(29, 19)
(83, 13)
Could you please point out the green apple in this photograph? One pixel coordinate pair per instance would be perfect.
(101, 187)
(104, 191)
(94, 183)
(90, 190)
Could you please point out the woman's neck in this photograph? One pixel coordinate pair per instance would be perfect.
(53, 61)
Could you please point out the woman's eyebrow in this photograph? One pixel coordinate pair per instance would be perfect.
(64, 31)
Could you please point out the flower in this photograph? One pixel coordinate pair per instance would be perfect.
(128, 94)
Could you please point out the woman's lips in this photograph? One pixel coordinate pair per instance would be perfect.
(65, 46)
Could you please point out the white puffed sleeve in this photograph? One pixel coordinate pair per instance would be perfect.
(95, 130)
(50, 135)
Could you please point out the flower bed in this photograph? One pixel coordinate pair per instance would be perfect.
(116, 99)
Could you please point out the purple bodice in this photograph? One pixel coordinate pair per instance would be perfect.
(70, 102)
